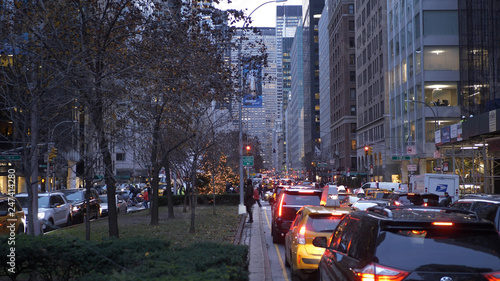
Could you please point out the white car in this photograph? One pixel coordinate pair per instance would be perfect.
(53, 209)
(121, 205)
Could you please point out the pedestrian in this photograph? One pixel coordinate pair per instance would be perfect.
(145, 196)
(133, 193)
(256, 196)
(446, 202)
(249, 201)
(261, 190)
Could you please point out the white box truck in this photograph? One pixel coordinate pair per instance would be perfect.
(437, 184)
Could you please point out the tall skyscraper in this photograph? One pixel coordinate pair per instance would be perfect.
(260, 103)
(287, 19)
(372, 98)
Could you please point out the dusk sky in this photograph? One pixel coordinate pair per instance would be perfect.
(265, 16)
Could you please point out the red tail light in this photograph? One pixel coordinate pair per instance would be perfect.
(301, 238)
(376, 272)
(492, 276)
(280, 206)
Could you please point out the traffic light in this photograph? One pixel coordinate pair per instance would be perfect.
(248, 148)
(52, 153)
(367, 149)
(370, 150)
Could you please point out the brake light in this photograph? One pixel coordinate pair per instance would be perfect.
(396, 203)
(492, 276)
(280, 206)
(442, 223)
(301, 238)
(425, 204)
(376, 272)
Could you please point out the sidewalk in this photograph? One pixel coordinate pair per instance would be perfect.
(253, 236)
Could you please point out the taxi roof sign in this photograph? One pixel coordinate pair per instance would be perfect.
(330, 196)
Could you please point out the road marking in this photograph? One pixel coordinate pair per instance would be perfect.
(283, 268)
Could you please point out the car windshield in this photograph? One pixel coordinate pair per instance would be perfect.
(43, 201)
(75, 196)
(429, 248)
(104, 199)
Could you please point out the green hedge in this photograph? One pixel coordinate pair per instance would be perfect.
(54, 258)
(222, 199)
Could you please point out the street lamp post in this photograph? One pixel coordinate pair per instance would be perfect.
(241, 207)
(435, 129)
(50, 145)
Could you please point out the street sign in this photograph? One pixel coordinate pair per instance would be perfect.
(247, 160)
(399, 158)
(412, 167)
(322, 165)
(10, 157)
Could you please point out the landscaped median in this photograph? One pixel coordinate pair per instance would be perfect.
(143, 252)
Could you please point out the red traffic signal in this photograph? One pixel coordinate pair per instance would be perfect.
(248, 147)
(366, 150)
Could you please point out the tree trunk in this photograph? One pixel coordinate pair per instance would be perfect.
(32, 182)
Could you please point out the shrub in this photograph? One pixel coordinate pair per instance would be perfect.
(49, 257)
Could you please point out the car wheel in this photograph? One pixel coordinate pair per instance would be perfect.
(276, 236)
(287, 262)
(20, 229)
(50, 225)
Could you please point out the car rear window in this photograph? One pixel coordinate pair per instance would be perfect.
(74, 196)
(302, 199)
(326, 223)
(467, 250)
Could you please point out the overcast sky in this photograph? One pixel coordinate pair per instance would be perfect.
(265, 16)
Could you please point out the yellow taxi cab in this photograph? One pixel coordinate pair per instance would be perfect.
(312, 221)
(12, 218)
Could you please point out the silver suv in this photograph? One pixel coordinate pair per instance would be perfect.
(53, 209)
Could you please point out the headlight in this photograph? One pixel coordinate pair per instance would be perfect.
(41, 216)
(75, 209)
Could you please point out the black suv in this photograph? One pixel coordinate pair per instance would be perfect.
(411, 243)
(487, 206)
(78, 207)
(289, 201)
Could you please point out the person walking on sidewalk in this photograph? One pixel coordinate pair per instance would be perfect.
(248, 200)
(256, 196)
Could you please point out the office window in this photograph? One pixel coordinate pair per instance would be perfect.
(441, 58)
(351, 25)
(120, 156)
(351, 9)
(440, 23)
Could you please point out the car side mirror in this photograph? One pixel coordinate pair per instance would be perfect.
(319, 242)
(56, 205)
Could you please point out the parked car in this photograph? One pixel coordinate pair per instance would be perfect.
(311, 221)
(487, 206)
(54, 210)
(121, 205)
(286, 206)
(77, 198)
(411, 243)
(12, 218)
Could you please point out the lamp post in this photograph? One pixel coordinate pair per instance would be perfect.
(50, 145)
(435, 129)
(241, 207)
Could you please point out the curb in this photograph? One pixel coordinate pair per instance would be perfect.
(265, 254)
(239, 231)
